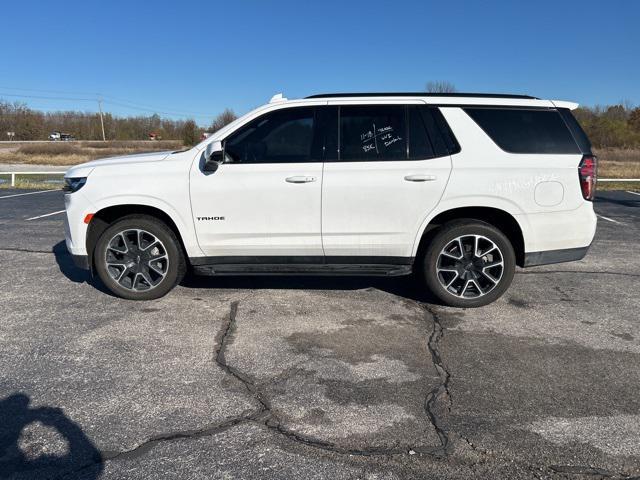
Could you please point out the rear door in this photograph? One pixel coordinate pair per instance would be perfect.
(389, 172)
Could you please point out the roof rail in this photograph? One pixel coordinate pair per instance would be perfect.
(421, 94)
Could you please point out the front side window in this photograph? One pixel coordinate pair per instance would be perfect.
(283, 136)
(372, 132)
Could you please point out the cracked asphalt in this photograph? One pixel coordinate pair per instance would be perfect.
(290, 377)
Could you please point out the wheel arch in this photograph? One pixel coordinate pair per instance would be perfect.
(108, 215)
(497, 217)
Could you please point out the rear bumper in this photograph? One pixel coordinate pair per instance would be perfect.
(556, 231)
(531, 259)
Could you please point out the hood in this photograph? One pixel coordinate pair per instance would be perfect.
(84, 169)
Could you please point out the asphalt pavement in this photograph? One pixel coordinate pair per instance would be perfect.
(304, 377)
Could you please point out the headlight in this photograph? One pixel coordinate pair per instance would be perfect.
(73, 184)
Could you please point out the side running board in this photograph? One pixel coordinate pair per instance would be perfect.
(303, 269)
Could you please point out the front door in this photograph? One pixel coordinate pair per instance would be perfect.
(265, 199)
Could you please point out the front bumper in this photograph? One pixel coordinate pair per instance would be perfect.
(76, 206)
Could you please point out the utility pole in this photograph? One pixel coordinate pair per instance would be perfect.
(104, 139)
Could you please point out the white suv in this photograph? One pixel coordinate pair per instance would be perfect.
(457, 188)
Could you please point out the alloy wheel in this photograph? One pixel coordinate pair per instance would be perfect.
(470, 266)
(136, 259)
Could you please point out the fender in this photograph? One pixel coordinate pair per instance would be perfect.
(185, 226)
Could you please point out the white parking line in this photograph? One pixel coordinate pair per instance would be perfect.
(45, 215)
(610, 219)
(633, 193)
(28, 193)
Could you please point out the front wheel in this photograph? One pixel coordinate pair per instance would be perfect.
(139, 258)
(469, 263)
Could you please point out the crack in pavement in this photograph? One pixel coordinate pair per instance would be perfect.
(222, 342)
(24, 250)
(437, 405)
(263, 416)
(590, 471)
(586, 272)
(148, 444)
(441, 391)
(266, 416)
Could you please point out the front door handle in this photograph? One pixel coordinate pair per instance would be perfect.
(300, 179)
(420, 178)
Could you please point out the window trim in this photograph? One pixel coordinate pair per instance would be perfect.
(511, 107)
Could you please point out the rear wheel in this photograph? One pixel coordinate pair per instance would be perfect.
(469, 263)
(139, 258)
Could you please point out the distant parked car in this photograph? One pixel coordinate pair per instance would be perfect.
(459, 188)
(61, 137)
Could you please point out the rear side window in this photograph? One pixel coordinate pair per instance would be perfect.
(451, 144)
(420, 145)
(373, 132)
(428, 117)
(520, 130)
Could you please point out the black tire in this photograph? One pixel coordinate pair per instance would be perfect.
(472, 275)
(167, 275)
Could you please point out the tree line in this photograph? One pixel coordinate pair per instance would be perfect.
(611, 125)
(607, 126)
(30, 124)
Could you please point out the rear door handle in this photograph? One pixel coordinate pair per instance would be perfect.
(420, 178)
(300, 179)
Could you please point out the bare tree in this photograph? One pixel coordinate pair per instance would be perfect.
(441, 86)
(223, 119)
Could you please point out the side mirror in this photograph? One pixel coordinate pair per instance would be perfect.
(213, 157)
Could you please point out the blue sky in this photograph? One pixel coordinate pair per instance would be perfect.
(198, 57)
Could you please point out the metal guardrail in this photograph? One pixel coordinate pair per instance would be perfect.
(619, 179)
(13, 174)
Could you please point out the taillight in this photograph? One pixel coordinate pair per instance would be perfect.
(588, 173)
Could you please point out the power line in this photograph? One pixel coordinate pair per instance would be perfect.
(118, 101)
(153, 110)
(49, 98)
(48, 91)
(142, 105)
(149, 110)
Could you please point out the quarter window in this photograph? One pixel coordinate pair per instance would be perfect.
(283, 136)
(519, 130)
